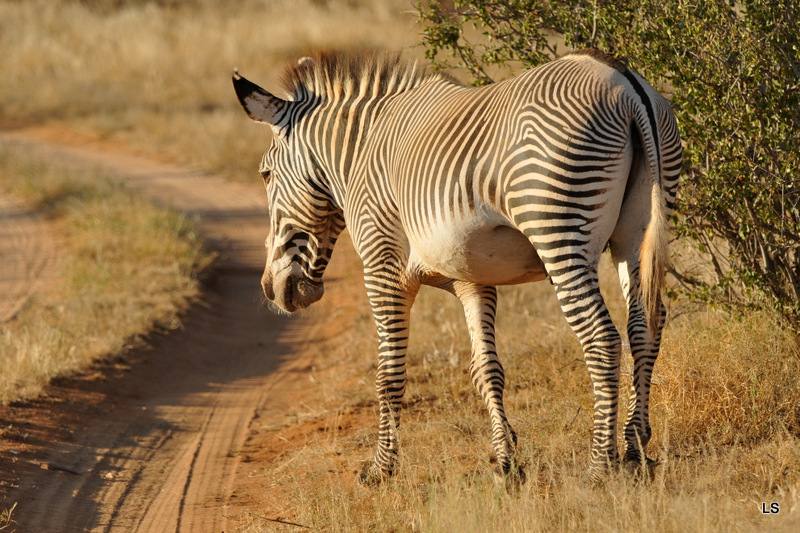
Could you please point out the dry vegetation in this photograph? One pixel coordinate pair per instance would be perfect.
(157, 75)
(726, 404)
(725, 414)
(124, 268)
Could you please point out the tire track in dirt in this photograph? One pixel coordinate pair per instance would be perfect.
(151, 444)
(26, 254)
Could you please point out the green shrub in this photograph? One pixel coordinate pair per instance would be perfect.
(732, 71)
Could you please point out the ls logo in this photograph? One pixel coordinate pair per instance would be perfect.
(770, 508)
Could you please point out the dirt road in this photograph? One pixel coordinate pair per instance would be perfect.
(26, 250)
(151, 443)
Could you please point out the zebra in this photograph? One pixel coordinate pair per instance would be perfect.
(467, 188)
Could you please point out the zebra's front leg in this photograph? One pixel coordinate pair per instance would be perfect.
(390, 307)
(583, 306)
(488, 377)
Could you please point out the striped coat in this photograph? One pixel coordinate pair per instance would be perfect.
(468, 188)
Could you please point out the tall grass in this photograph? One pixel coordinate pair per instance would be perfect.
(725, 412)
(157, 75)
(123, 268)
(726, 393)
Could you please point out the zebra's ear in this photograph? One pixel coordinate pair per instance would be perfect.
(260, 105)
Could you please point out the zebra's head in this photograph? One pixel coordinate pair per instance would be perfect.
(304, 219)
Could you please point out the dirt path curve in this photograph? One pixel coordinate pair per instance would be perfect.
(151, 444)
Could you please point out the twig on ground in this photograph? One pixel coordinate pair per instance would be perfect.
(278, 520)
(50, 466)
(5, 517)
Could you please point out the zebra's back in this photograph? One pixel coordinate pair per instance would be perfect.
(480, 175)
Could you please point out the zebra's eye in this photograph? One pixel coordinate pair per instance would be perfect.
(266, 175)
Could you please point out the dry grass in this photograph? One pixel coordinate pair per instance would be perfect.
(726, 398)
(125, 268)
(158, 75)
(726, 407)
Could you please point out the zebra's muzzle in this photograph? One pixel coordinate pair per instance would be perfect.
(291, 290)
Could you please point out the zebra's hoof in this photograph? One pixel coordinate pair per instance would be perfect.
(511, 478)
(594, 477)
(372, 475)
(642, 470)
(597, 474)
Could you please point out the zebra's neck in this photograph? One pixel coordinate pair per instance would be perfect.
(336, 135)
(338, 97)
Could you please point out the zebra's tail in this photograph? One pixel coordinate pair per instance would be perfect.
(654, 253)
(653, 261)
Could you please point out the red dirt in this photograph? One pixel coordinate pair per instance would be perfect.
(163, 437)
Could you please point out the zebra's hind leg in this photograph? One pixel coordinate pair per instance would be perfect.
(390, 307)
(644, 349)
(480, 307)
(583, 306)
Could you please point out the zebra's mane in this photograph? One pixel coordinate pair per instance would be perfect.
(336, 75)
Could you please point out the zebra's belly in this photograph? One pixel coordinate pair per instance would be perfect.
(495, 255)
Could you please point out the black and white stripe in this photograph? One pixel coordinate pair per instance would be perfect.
(576, 155)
